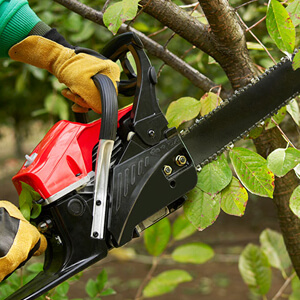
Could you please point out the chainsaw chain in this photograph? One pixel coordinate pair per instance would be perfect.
(236, 94)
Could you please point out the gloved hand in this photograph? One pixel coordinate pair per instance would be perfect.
(74, 70)
(19, 240)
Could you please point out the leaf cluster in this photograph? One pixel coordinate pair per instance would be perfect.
(95, 289)
(256, 263)
(158, 239)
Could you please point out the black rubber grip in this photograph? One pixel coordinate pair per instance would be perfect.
(109, 103)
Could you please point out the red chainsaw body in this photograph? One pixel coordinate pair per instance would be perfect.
(63, 157)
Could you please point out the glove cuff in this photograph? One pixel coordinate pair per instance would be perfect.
(17, 20)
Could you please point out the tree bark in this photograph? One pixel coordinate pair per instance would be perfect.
(288, 221)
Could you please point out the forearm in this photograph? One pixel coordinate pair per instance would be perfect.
(17, 21)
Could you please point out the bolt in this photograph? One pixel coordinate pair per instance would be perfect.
(151, 133)
(95, 234)
(180, 160)
(167, 170)
(98, 202)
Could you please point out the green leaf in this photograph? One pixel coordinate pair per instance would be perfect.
(281, 161)
(6, 290)
(297, 171)
(296, 61)
(278, 118)
(273, 246)
(165, 282)
(294, 11)
(15, 281)
(157, 236)
(255, 132)
(280, 26)
(35, 268)
(73, 23)
(26, 198)
(101, 280)
(194, 253)
(255, 269)
(91, 288)
(182, 110)
(118, 13)
(63, 289)
(182, 228)
(296, 289)
(293, 109)
(209, 102)
(25, 195)
(202, 209)
(57, 105)
(108, 292)
(252, 171)
(59, 297)
(215, 176)
(234, 198)
(295, 201)
(36, 210)
(88, 29)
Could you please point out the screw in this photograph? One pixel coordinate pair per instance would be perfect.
(95, 234)
(180, 160)
(98, 202)
(167, 170)
(151, 133)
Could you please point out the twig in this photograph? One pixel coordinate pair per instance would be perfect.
(258, 22)
(282, 133)
(173, 34)
(284, 286)
(244, 4)
(171, 37)
(189, 5)
(105, 5)
(256, 38)
(155, 262)
(186, 52)
(158, 31)
(139, 12)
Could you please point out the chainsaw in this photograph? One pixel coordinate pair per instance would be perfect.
(103, 182)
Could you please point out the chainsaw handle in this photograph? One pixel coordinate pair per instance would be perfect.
(109, 104)
(140, 85)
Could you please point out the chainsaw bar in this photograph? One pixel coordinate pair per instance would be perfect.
(248, 108)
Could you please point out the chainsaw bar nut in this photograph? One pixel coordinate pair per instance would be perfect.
(167, 170)
(180, 160)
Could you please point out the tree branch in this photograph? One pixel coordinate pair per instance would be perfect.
(195, 77)
(223, 39)
(230, 41)
(180, 21)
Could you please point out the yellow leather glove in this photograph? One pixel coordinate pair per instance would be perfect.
(74, 70)
(19, 240)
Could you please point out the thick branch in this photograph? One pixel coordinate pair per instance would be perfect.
(223, 24)
(223, 39)
(181, 22)
(195, 77)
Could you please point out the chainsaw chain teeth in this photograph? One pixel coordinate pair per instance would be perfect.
(225, 102)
